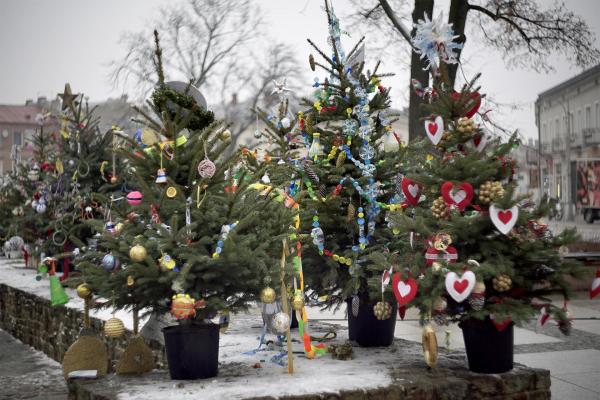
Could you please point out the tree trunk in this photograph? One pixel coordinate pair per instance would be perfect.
(417, 72)
(458, 18)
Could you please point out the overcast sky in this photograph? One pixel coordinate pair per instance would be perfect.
(44, 44)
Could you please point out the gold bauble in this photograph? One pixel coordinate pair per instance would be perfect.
(114, 328)
(502, 283)
(113, 179)
(382, 310)
(267, 295)
(84, 291)
(298, 302)
(138, 253)
(118, 228)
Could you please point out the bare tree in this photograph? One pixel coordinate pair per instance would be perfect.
(524, 32)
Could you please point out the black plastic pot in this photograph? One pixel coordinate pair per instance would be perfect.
(366, 330)
(192, 351)
(489, 351)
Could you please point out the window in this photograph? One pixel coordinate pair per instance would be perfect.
(1, 167)
(17, 138)
(558, 168)
(588, 117)
(571, 122)
(557, 127)
(597, 115)
(579, 120)
(544, 130)
(29, 136)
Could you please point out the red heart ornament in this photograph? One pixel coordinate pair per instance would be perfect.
(460, 197)
(595, 288)
(405, 290)
(459, 288)
(543, 318)
(473, 101)
(402, 312)
(434, 129)
(432, 255)
(502, 325)
(504, 220)
(412, 191)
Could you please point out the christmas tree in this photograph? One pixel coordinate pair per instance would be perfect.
(476, 250)
(187, 236)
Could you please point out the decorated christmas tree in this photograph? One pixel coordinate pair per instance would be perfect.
(474, 251)
(187, 236)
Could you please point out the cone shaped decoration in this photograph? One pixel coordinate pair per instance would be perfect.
(58, 297)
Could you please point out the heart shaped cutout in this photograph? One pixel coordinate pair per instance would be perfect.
(504, 219)
(459, 288)
(411, 190)
(460, 196)
(472, 103)
(500, 325)
(404, 290)
(480, 141)
(435, 129)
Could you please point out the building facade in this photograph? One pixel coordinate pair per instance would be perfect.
(17, 125)
(568, 122)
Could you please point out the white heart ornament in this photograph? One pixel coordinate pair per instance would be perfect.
(413, 189)
(434, 129)
(460, 288)
(458, 196)
(504, 220)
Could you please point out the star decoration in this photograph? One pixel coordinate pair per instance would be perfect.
(280, 88)
(68, 97)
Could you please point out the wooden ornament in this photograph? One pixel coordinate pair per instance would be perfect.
(504, 219)
(434, 128)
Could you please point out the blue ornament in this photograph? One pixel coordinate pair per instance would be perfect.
(109, 262)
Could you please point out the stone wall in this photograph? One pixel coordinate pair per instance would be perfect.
(33, 321)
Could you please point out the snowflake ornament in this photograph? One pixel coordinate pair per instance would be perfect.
(434, 41)
(280, 88)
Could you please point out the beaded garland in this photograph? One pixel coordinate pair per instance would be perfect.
(225, 229)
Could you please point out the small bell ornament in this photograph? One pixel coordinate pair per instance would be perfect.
(161, 176)
(390, 143)
(316, 149)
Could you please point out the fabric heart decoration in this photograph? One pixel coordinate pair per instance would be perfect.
(404, 290)
(543, 318)
(500, 325)
(504, 220)
(479, 141)
(432, 255)
(412, 191)
(460, 288)
(434, 129)
(472, 103)
(460, 196)
(595, 288)
(402, 312)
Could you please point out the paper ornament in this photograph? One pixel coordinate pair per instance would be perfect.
(411, 190)
(460, 288)
(404, 290)
(460, 196)
(504, 220)
(434, 128)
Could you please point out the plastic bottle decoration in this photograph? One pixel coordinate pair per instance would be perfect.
(316, 149)
(317, 235)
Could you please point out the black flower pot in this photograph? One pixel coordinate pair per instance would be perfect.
(366, 330)
(489, 351)
(192, 351)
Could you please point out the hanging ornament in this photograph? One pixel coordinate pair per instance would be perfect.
(441, 250)
(183, 306)
(118, 228)
(500, 325)
(595, 288)
(460, 288)
(479, 141)
(439, 209)
(114, 328)
(130, 280)
(477, 297)
(411, 190)
(316, 149)
(298, 302)
(435, 129)
(490, 191)
(206, 168)
(137, 253)
(404, 290)
(267, 295)
(281, 322)
(41, 208)
(430, 346)
(502, 283)
(504, 220)
(167, 262)
(472, 101)
(390, 143)
(382, 310)
(109, 227)
(171, 192)
(84, 291)
(134, 198)
(109, 262)
(34, 174)
(542, 318)
(161, 176)
(459, 197)
(265, 179)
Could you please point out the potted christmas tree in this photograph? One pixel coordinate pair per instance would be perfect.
(480, 253)
(190, 239)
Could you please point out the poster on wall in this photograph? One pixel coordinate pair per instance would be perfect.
(588, 183)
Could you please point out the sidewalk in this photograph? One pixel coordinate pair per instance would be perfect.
(26, 373)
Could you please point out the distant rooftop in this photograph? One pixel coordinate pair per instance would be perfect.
(594, 71)
(14, 114)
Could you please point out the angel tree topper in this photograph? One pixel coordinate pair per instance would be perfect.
(434, 41)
